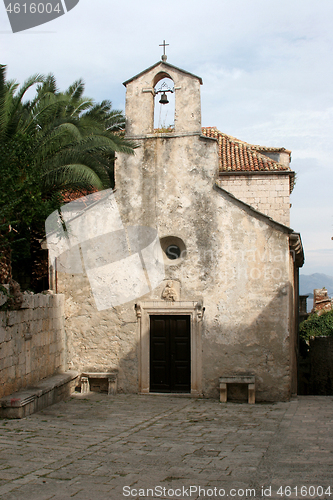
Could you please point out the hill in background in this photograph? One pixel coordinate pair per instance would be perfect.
(307, 283)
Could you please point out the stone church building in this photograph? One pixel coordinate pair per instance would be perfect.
(228, 300)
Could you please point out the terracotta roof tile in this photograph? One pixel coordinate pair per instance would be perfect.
(239, 156)
(69, 196)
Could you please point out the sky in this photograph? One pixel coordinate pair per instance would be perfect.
(266, 68)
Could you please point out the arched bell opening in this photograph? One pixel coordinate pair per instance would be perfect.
(164, 103)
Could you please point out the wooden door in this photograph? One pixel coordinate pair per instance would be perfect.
(170, 354)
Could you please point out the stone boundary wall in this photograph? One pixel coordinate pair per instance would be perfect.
(32, 342)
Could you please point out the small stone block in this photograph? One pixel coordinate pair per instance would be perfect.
(223, 392)
(112, 385)
(85, 386)
(252, 394)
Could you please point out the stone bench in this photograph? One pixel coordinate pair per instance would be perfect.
(45, 393)
(238, 379)
(111, 378)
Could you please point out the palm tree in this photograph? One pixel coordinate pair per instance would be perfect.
(55, 143)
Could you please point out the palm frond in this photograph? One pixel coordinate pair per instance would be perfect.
(81, 106)
(48, 86)
(28, 84)
(75, 91)
(12, 86)
(3, 92)
(51, 141)
(72, 176)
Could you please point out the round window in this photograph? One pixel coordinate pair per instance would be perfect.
(173, 252)
(173, 247)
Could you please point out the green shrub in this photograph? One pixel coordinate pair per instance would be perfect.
(317, 326)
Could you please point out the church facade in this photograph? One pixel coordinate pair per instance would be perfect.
(227, 303)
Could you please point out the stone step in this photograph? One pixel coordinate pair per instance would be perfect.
(43, 394)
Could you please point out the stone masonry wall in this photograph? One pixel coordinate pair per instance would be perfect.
(267, 193)
(32, 342)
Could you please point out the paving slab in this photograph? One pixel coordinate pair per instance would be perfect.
(100, 447)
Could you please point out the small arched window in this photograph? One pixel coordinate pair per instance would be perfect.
(164, 113)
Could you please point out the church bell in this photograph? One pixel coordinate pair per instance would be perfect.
(164, 99)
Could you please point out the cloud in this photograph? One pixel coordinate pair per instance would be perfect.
(265, 66)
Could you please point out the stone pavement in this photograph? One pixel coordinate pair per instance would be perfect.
(99, 447)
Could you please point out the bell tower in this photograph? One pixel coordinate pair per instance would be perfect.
(172, 166)
(141, 92)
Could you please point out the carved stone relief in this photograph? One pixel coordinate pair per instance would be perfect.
(169, 292)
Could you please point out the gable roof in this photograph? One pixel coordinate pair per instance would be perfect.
(236, 156)
(165, 66)
(239, 156)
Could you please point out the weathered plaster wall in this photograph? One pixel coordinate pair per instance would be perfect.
(246, 319)
(32, 342)
(236, 264)
(293, 321)
(99, 340)
(268, 193)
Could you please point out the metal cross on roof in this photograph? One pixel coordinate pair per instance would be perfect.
(164, 57)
